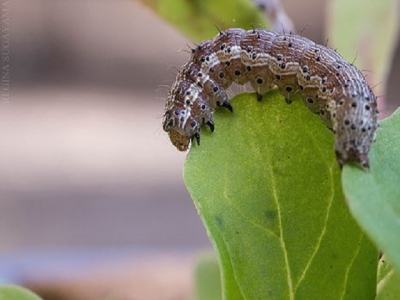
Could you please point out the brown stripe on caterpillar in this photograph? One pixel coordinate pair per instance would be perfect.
(329, 86)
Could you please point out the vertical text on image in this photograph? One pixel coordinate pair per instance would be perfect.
(5, 53)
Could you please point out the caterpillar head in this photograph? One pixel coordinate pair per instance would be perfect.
(180, 141)
(181, 127)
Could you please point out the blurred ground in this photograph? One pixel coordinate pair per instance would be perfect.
(85, 167)
(84, 161)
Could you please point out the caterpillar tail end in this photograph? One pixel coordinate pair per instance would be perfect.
(353, 157)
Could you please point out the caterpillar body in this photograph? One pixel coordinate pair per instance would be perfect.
(329, 86)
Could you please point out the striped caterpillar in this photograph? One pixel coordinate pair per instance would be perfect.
(329, 86)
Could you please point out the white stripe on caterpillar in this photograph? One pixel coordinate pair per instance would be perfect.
(329, 86)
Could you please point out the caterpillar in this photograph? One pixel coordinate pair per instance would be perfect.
(328, 84)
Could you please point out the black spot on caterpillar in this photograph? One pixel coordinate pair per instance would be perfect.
(329, 86)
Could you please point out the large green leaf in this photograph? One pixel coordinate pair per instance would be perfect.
(13, 292)
(199, 19)
(374, 197)
(267, 187)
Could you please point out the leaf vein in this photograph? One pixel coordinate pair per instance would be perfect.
(282, 241)
(323, 231)
(233, 269)
(346, 276)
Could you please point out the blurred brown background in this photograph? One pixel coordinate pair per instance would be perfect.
(91, 190)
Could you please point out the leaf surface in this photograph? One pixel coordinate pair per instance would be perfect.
(374, 197)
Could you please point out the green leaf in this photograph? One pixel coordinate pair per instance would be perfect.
(388, 281)
(207, 277)
(366, 32)
(374, 197)
(199, 19)
(13, 292)
(267, 187)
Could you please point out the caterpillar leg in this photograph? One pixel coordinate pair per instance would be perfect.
(288, 100)
(210, 124)
(226, 104)
(196, 137)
